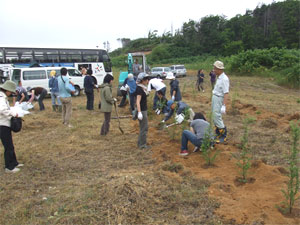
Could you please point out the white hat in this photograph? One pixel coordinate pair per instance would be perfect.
(170, 76)
(130, 76)
(219, 65)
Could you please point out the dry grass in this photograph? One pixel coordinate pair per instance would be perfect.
(74, 176)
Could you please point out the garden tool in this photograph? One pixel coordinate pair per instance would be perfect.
(118, 118)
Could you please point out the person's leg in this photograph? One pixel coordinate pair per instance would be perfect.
(142, 140)
(64, 109)
(53, 101)
(124, 95)
(216, 111)
(68, 112)
(9, 150)
(189, 136)
(132, 101)
(155, 99)
(92, 100)
(106, 123)
(58, 102)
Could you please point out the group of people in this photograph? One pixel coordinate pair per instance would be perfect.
(138, 88)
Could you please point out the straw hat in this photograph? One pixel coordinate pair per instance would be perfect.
(219, 65)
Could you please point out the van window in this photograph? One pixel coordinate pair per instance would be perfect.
(16, 75)
(73, 72)
(180, 67)
(34, 75)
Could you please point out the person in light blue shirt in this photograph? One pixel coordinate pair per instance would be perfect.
(65, 96)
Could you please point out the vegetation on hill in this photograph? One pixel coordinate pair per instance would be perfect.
(263, 41)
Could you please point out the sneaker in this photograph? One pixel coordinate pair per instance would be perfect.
(196, 149)
(184, 153)
(15, 170)
(20, 165)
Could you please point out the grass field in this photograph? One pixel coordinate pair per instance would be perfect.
(75, 176)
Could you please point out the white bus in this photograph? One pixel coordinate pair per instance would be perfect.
(95, 59)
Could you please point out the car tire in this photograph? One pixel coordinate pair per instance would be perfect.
(77, 91)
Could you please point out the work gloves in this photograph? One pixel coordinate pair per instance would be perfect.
(157, 111)
(115, 100)
(140, 115)
(223, 109)
(173, 98)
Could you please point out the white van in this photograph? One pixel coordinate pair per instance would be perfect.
(39, 77)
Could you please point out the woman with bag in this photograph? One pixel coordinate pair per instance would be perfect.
(11, 163)
(106, 102)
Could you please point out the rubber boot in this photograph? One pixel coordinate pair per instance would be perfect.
(59, 108)
(54, 108)
(223, 135)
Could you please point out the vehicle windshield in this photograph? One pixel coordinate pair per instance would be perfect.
(167, 69)
(180, 67)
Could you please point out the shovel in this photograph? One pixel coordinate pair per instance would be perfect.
(118, 118)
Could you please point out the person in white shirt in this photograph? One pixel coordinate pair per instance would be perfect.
(219, 101)
(158, 85)
(11, 163)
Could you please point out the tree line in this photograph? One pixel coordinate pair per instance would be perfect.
(267, 26)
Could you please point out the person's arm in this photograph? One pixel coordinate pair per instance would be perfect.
(225, 102)
(32, 97)
(170, 113)
(108, 96)
(4, 109)
(22, 97)
(138, 102)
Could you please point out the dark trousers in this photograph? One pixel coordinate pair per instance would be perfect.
(155, 99)
(123, 101)
(132, 99)
(9, 150)
(90, 99)
(41, 98)
(105, 125)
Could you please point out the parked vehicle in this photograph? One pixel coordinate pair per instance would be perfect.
(39, 77)
(159, 72)
(178, 70)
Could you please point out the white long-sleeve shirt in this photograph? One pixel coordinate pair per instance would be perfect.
(156, 83)
(5, 112)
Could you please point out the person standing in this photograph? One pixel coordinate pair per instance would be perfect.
(65, 96)
(158, 85)
(106, 102)
(141, 103)
(200, 80)
(212, 79)
(11, 163)
(174, 87)
(219, 101)
(53, 85)
(89, 85)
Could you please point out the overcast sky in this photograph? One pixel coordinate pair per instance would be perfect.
(89, 23)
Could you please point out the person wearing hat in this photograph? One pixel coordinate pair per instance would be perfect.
(141, 104)
(106, 102)
(11, 163)
(219, 101)
(53, 86)
(174, 87)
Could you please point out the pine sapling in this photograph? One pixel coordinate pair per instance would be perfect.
(206, 146)
(292, 189)
(244, 158)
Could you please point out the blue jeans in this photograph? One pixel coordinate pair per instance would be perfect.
(189, 136)
(54, 96)
(155, 99)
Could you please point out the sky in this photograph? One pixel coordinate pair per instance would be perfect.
(90, 23)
